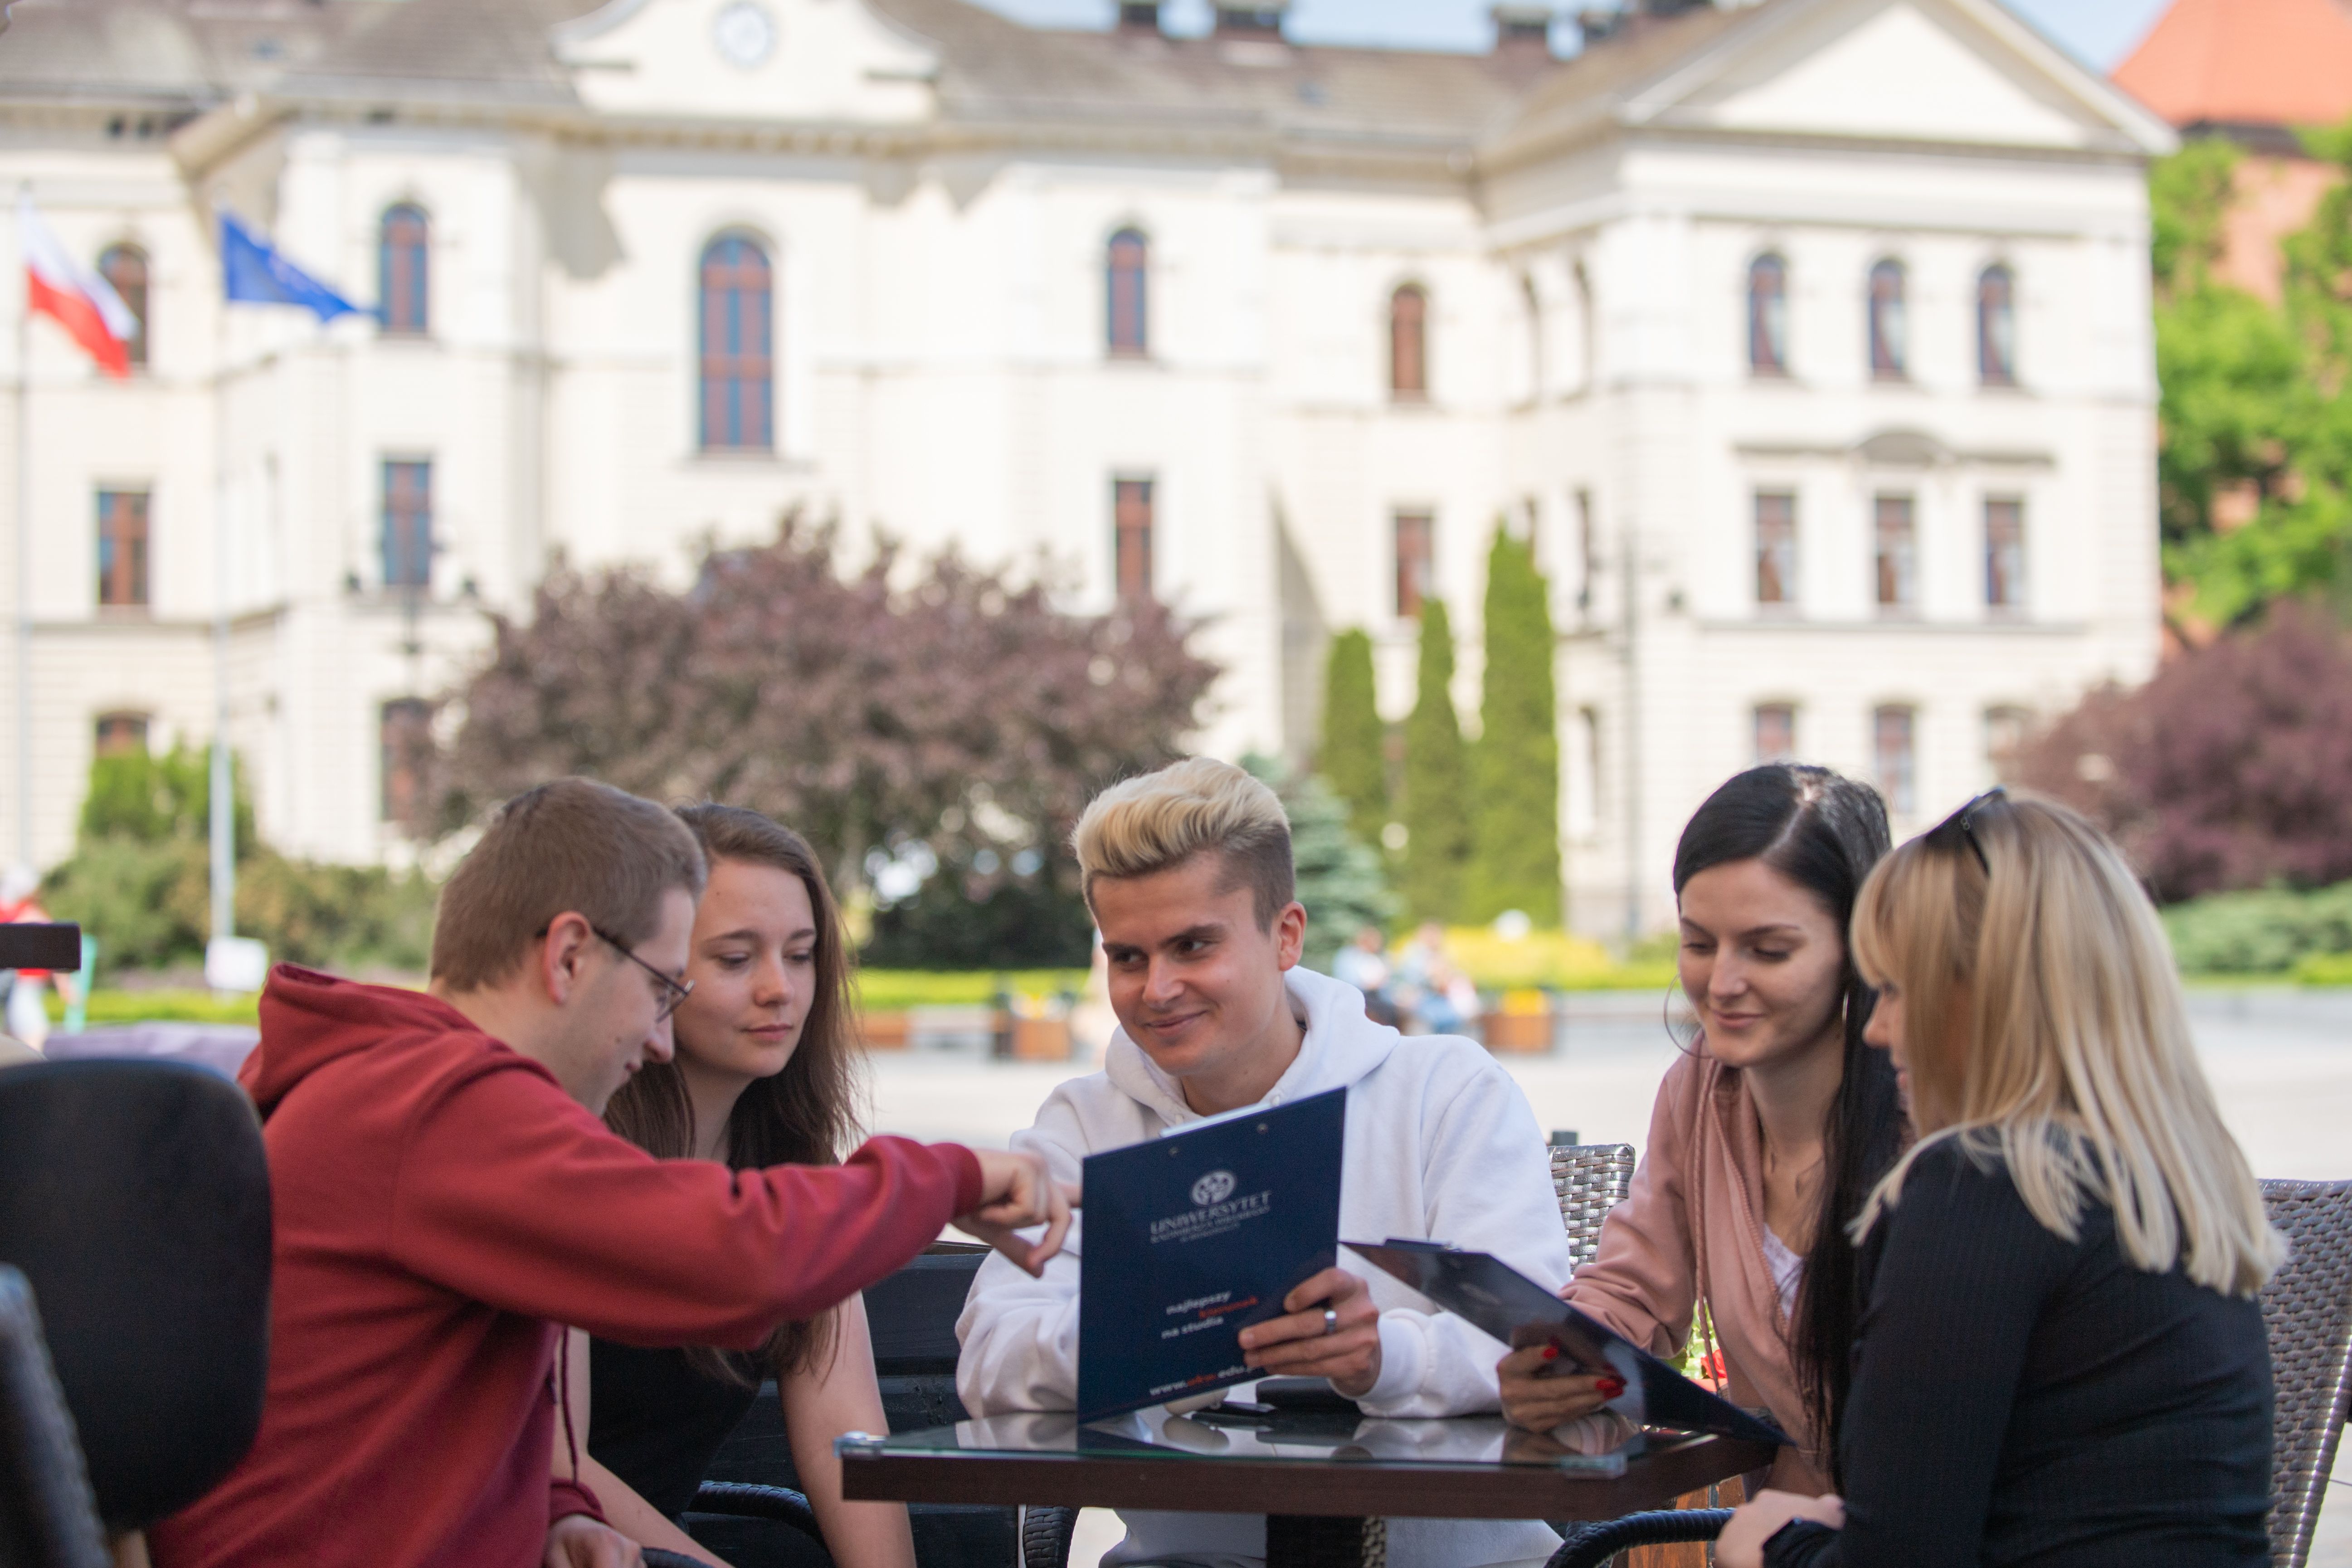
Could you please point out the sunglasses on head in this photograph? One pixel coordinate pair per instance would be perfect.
(1962, 824)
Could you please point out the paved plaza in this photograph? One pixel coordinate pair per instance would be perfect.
(2280, 1061)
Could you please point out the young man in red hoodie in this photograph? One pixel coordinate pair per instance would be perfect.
(444, 1196)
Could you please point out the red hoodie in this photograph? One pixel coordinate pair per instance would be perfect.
(440, 1206)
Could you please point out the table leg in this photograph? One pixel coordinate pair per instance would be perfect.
(1311, 1541)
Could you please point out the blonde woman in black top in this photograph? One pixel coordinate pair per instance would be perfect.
(2061, 1360)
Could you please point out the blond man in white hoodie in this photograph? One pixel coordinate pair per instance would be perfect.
(1188, 872)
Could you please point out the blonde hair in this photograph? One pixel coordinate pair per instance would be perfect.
(1159, 821)
(2074, 1065)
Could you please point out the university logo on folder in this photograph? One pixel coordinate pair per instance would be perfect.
(1192, 1238)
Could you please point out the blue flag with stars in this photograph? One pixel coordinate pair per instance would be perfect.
(252, 271)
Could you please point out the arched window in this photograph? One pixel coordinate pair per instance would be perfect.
(403, 269)
(738, 367)
(1887, 354)
(1767, 315)
(1996, 327)
(125, 268)
(1127, 275)
(1409, 343)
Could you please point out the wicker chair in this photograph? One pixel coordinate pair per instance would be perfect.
(49, 1516)
(1590, 1179)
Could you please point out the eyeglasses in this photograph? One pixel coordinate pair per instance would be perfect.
(673, 992)
(1963, 823)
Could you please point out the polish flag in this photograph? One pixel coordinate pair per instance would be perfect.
(73, 295)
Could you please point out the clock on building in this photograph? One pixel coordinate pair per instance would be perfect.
(744, 32)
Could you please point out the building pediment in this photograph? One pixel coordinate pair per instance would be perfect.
(791, 60)
(1943, 72)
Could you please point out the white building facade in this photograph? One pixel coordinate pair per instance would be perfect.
(1809, 341)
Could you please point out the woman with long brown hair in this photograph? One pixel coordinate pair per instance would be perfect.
(2061, 1359)
(766, 1073)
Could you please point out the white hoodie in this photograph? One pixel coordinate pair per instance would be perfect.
(1441, 1145)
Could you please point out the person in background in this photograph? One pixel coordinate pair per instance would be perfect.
(2063, 1359)
(1363, 964)
(1768, 1133)
(1188, 872)
(28, 1014)
(443, 1197)
(1433, 996)
(767, 1072)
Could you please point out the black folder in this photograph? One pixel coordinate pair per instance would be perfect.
(1488, 1291)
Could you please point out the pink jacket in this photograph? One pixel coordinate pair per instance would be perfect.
(1691, 1226)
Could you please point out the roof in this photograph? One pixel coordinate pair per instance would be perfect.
(2245, 62)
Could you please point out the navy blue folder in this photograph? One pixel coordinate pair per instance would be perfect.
(1192, 1238)
(1517, 1311)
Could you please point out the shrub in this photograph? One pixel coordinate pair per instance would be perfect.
(1515, 858)
(1437, 780)
(2268, 931)
(2231, 769)
(964, 918)
(1354, 758)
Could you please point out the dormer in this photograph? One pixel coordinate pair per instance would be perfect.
(823, 61)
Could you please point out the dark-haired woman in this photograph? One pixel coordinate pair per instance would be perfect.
(1767, 1135)
(765, 1073)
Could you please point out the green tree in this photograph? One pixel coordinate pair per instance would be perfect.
(150, 799)
(1340, 877)
(1354, 759)
(1437, 780)
(2256, 410)
(1514, 834)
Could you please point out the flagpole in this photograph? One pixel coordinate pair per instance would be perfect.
(224, 809)
(24, 554)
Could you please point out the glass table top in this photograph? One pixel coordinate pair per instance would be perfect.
(1599, 1445)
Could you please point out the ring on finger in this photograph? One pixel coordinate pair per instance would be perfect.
(1330, 1320)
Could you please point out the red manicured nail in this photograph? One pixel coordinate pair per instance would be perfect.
(1610, 1387)
(1551, 1352)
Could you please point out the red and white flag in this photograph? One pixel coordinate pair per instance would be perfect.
(74, 295)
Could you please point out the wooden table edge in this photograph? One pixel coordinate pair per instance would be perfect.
(1204, 1484)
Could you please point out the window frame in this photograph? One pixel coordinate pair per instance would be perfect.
(126, 558)
(1997, 326)
(391, 715)
(1413, 550)
(735, 345)
(406, 543)
(1888, 315)
(1898, 784)
(1904, 562)
(113, 262)
(1126, 294)
(136, 729)
(1767, 317)
(1409, 343)
(2006, 581)
(1778, 557)
(1784, 713)
(1135, 518)
(403, 272)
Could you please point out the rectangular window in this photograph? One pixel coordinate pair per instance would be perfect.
(122, 734)
(1416, 562)
(407, 523)
(2004, 556)
(2006, 731)
(1775, 549)
(1587, 551)
(122, 549)
(1896, 760)
(1897, 544)
(1131, 538)
(401, 735)
(1584, 775)
(1776, 733)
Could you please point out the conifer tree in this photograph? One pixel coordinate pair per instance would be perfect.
(1340, 878)
(1437, 780)
(1352, 760)
(1515, 840)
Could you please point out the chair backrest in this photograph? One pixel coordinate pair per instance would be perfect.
(135, 1198)
(2307, 1314)
(1590, 1179)
(47, 1518)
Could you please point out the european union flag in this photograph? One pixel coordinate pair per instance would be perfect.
(252, 271)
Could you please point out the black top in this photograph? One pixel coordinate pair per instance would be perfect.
(2017, 1398)
(656, 1422)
